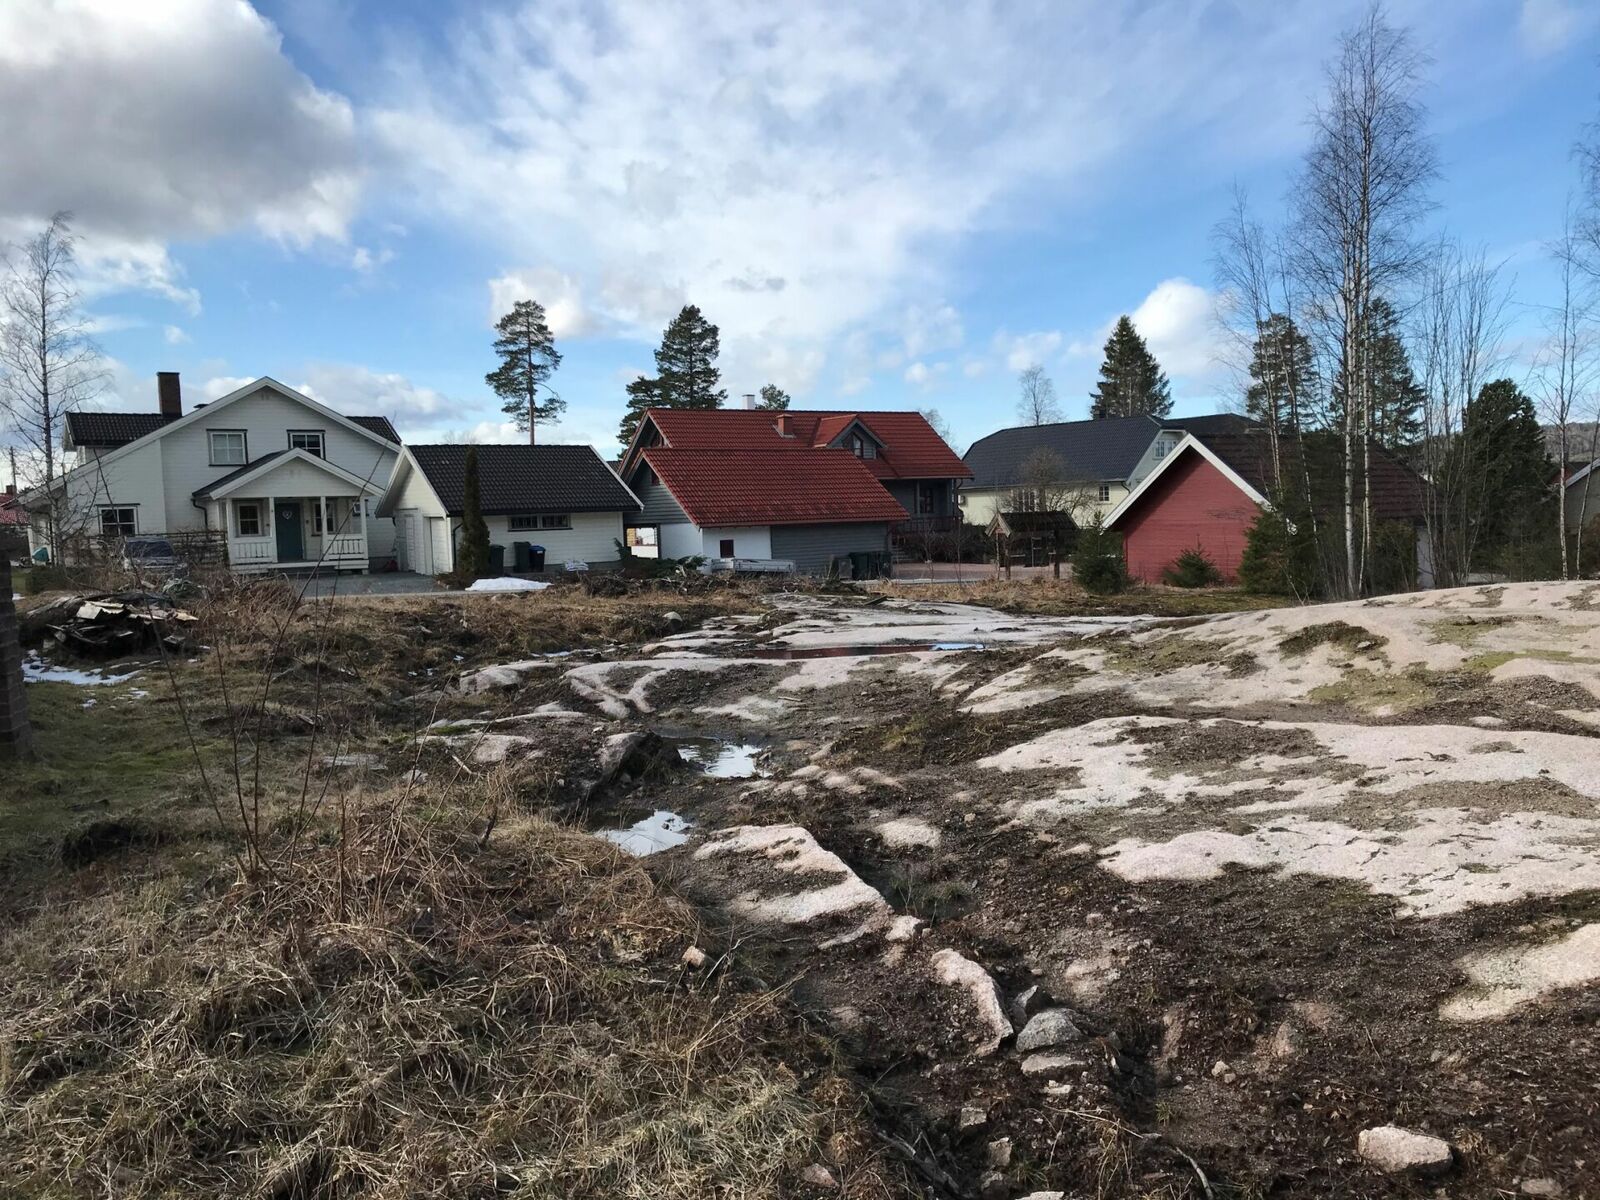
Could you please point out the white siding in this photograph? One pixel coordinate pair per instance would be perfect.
(440, 545)
(681, 540)
(134, 479)
(592, 539)
(981, 504)
(749, 541)
(266, 416)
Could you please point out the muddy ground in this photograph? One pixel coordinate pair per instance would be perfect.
(1115, 906)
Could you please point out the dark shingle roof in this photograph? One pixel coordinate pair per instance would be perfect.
(1106, 449)
(520, 479)
(108, 430)
(379, 426)
(201, 493)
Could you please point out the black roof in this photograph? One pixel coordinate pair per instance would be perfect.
(1100, 450)
(109, 430)
(519, 479)
(232, 475)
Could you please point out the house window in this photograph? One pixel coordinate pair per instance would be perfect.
(725, 548)
(522, 521)
(862, 447)
(247, 515)
(555, 521)
(1162, 447)
(119, 522)
(925, 498)
(306, 439)
(1105, 492)
(528, 522)
(227, 448)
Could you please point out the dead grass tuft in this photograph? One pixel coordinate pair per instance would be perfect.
(1350, 638)
(403, 1011)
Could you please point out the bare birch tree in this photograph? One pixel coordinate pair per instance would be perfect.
(1459, 326)
(49, 366)
(1036, 399)
(1564, 370)
(1361, 192)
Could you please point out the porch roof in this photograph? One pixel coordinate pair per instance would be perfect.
(340, 481)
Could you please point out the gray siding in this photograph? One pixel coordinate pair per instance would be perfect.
(813, 546)
(659, 507)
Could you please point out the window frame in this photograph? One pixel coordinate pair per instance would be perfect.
(555, 522)
(320, 434)
(523, 522)
(1104, 494)
(244, 446)
(133, 520)
(725, 548)
(238, 518)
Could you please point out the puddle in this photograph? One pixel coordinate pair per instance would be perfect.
(789, 653)
(720, 759)
(661, 830)
(38, 670)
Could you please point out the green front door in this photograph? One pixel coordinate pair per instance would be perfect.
(286, 523)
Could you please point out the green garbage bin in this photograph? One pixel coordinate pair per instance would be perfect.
(497, 559)
(520, 557)
(860, 564)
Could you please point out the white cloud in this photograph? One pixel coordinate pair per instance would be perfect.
(174, 336)
(650, 153)
(348, 388)
(918, 373)
(364, 262)
(1023, 350)
(1178, 322)
(165, 119)
(1550, 26)
(560, 294)
(218, 386)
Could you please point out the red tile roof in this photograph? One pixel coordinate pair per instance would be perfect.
(911, 448)
(12, 513)
(771, 486)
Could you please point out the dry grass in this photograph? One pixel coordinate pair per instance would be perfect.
(403, 1011)
(1049, 597)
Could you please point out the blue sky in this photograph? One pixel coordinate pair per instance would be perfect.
(893, 205)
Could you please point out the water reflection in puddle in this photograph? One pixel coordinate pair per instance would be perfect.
(719, 759)
(661, 830)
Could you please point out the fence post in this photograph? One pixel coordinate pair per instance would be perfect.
(16, 734)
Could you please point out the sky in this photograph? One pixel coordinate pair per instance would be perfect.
(890, 205)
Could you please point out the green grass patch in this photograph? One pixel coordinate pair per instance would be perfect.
(1155, 656)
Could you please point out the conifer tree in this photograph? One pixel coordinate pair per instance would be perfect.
(686, 372)
(1396, 416)
(773, 398)
(1283, 375)
(1131, 383)
(528, 357)
(474, 529)
(1504, 456)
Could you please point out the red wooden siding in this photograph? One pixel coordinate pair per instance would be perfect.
(1192, 504)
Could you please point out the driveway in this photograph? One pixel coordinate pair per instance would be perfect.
(389, 583)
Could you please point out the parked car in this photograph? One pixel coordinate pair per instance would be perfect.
(152, 556)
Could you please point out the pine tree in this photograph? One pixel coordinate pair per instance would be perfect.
(1504, 456)
(1131, 381)
(686, 372)
(773, 398)
(1283, 375)
(1097, 564)
(1280, 555)
(1396, 419)
(474, 529)
(528, 357)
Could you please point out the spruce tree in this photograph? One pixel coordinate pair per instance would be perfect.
(1504, 460)
(1131, 383)
(528, 357)
(1396, 397)
(1283, 375)
(686, 372)
(474, 562)
(773, 398)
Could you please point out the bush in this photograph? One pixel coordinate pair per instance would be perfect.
(1191, 569)
(1280, 557)
(1097, 560)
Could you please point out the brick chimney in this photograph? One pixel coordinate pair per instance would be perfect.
(785, 425)
(169, 394)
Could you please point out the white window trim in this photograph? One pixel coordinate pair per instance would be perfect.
(322, 441)
(132, 509)
(211, 446)
(238, 525)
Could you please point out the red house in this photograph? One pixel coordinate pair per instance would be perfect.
(1208, 491)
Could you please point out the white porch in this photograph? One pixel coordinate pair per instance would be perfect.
(292, 511)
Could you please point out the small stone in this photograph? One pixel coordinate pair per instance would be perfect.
(973, 1116)
(1365, 644)
(1053, 1027)
(998, 1153)
(818, 1175)
(1394, 1150)
(1286, 1042)
(1052, 1064)
(1044, 1196)
(993, 1186)
(1057, 1091)
(1541, 1187)
(1219, 1069)
(694, 957)
(1095, 918)
(672, 620)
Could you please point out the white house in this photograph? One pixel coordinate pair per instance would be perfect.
(280, 479)
(563, 498)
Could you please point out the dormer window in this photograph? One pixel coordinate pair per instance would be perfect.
(862, 447)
